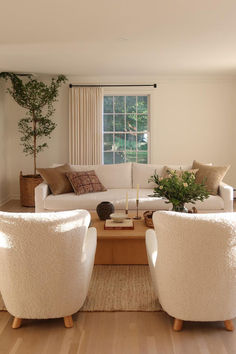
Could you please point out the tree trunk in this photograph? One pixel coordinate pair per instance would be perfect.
(34, 130)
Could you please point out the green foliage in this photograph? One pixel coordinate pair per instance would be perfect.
(108, 104)
(179, 190)
(142, 104)
(37, 98)
(131, 156)
(130, 142)
(125, 123)
(119, 104)
(130, 104)
(131, 122)
(119, 122)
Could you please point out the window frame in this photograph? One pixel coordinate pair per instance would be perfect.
(135, 94)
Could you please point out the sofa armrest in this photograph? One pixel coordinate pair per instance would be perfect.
(40, 193)
(227, 194)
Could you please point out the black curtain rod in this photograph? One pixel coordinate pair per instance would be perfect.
(153, 85)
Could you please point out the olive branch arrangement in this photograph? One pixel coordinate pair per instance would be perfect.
(179, 189)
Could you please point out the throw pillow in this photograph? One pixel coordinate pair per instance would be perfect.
(85, 182)
(210, 175)
(167, 170)
(56, 179)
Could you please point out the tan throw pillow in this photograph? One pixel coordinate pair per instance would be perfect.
(85, 182)
(167, 170)
(56, 179)
(210, 175)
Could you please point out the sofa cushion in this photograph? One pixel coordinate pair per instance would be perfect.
(142, 173)
(111, 176)
(211, 176)
(56, 178)
(85, 182)
(214, 202)
(168, 170)
(118, 198)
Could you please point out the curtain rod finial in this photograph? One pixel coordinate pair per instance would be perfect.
(70, 85)
(155, 85)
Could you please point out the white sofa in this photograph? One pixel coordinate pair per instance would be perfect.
(122, 178)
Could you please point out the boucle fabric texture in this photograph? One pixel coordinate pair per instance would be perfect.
(192, 259)
(119, 288)
(2, 306)
(85, 182)
(56, 179)
(46, 262)
(211, 176)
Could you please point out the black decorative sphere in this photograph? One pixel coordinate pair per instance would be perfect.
(104, 210)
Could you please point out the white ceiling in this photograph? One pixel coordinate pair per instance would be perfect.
(118, 37)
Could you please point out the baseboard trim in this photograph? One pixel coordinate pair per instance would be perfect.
(15, 196)
(10, 197)
(4, 201)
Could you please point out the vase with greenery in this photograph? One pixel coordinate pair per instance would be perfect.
(37, 98)
(179, 189)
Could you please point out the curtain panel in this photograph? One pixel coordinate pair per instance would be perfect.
(85, 125)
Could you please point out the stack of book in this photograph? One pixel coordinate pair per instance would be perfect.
(127, 224)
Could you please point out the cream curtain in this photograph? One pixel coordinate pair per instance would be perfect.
(85, 125)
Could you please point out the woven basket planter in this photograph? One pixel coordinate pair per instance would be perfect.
(27, 186)
(148, 218)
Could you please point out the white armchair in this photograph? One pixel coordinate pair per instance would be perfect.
(46, 262)
(192, 259)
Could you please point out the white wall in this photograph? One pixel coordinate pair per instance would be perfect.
(4, 192)
(195, 120)
(192, 118)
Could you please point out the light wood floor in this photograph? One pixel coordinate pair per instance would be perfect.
(113, 333)
(14, 206)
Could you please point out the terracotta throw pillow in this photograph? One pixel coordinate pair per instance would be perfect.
(85, 182)
(213, 175)
(56, 179)
(165, 173)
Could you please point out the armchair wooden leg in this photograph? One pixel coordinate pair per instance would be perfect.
(68, 321)
(178, 325)
(16, 323)
(229, 325)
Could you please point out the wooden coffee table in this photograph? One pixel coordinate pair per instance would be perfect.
(120, 246)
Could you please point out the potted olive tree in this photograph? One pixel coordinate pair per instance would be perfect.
(37, 98)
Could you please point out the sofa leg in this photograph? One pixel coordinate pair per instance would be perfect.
(229, 325)
(68, 321)
(178, 325)
(16, 323)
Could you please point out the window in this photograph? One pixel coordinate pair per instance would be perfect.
(125, 129)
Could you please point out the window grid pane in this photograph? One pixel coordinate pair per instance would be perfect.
(128, 134)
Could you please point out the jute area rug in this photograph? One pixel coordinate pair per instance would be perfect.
(119, 288)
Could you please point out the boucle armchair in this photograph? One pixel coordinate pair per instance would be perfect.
(192, 260)
(46, 262)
